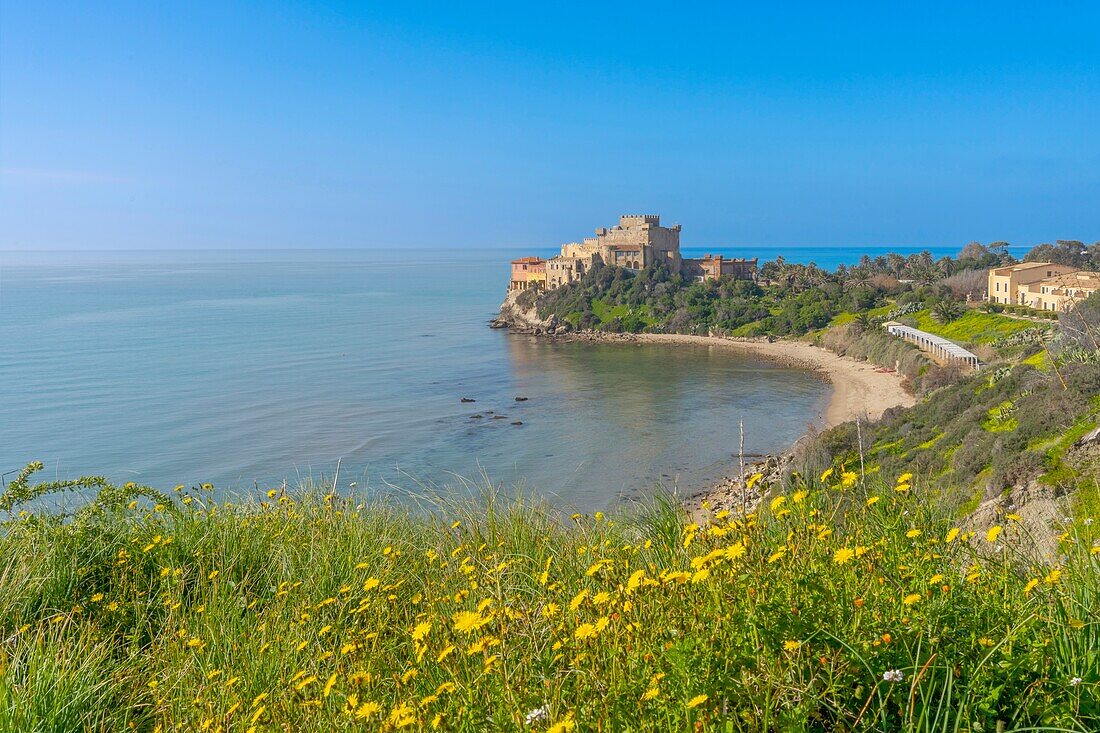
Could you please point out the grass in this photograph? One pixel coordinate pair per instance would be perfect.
(973, 327)
(837, 606)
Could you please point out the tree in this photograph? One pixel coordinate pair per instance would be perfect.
(946, 311)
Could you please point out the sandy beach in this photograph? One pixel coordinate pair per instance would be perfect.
(860, 389)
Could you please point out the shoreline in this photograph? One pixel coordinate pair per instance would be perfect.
(860, 389)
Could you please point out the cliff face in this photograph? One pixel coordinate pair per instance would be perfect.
(521, 314)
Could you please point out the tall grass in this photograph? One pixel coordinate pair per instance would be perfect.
(838, 606)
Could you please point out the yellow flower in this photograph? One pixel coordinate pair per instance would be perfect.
(843, 555)
(991, 535)
(402, 716)
(329, 685)
(422, 629)
(697, 701)
(635, 580)
(952, 534)
(97, 598)
(445, 653)
(367, 709)
(577, 600)
(905, 478)
(913, 533)
(848, 479)
(651, 693)
(792, 645)
(872, 500)
(1030, 585)
(371, 584)
(468, 621)
(799, 496)
(585, 631)
(912, 598)
(935, 579)
(563, 726)
(778, 554)
(753, 480)
(777, 502)
(1053, 576)
(601, 598)
(826, 474)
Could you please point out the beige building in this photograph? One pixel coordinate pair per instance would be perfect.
(1060, 292)
(1007, 284)
(637, 242)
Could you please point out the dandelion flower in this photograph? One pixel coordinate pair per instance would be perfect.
(912, 598)
(422, 630)
(994, 531)
(843, 555)
(792, 645)
(563, 726)
(697, 701)
(468, 621)
(651, 693)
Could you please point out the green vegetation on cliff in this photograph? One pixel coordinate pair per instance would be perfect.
(841, 604)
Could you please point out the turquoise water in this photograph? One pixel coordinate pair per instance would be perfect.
(249, 368)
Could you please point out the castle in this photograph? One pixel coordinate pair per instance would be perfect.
(637, 242)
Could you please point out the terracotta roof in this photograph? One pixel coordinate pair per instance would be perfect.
(528, 261)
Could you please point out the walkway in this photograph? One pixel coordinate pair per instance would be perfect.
(936, 345)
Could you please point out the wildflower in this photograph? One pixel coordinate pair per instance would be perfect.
(367, 709)
(577, 600)
(912, 598)
(371, 584)
(697, 701)
(1075, 681)
(848, 479)
(402, 716)
(635, 580)
(893, 675)
(651, 693)
(1053, 576)
(994, 531)
(843, 555)
(872, 500)
(585, 631)
(1030, 585)
(777, 502)
(97, 598)
(826, 474)
(778, 554)
(951, 535)
(752, 480)
(422, 630)
(563, 726)
(913, 533)
(468, 621)
(445, 653)
(791, 646)
(536, 715)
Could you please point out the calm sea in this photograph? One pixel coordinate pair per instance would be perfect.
(245, 369)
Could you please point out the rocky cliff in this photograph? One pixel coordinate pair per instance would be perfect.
(519, 312)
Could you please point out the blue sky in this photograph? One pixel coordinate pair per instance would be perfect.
(229, 125)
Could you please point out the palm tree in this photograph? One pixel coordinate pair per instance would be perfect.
(946, 311)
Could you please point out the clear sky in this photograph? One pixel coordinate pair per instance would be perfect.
(271, 124)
